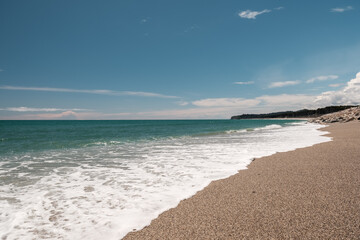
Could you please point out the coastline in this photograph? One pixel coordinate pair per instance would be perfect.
(304, 119)
(311, 192)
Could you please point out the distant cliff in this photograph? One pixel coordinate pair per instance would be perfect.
(304, 113)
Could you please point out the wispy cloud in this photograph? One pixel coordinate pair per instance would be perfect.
(226, 102)
(191, 28)
(252, 14)
(27, 109)
(290, 101)
(322, 78)
(213, 108)
(182, 103)
(340, 10)
(283, 84)
(279, 8)
(67, 115)
(350, 94)
(335, 85)
(94, 91)
(144, 20)
(244, 83)
(1, 70)
(265, 100)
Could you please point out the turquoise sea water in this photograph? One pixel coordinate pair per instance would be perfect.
(102, 179)
(24, 136)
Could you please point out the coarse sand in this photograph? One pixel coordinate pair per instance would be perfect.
(308, 193)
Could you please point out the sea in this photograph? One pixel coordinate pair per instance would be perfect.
(104, 179)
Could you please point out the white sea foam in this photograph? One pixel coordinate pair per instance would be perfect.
(104, 192)
(236, 131)
(272, 126)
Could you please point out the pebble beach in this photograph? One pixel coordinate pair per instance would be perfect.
(308, 193)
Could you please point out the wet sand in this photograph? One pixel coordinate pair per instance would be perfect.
(309, 193)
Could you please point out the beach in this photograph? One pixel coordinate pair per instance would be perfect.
(103, 179)
(308, 193)
(179, 120)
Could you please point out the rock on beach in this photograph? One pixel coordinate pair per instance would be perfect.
(347, 115)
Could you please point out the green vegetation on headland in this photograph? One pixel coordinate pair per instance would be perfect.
(304, 113)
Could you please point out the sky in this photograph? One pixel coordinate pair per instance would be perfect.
(167, 59)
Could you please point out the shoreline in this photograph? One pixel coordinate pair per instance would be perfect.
(312, 192)
(304, 119)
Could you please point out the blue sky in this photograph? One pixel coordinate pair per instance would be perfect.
(170, 59)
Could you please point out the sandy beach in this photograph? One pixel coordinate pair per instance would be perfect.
(309, 193)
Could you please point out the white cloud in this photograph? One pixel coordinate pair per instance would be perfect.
(340, 10)
(189, 113)
(283, 84)
(349, 95)
(252, 14)
(223, 108)
(182, 103)
(68, 115)
(264, 101)
(289, 100)
(335, 85)
(244, 83)
(27, 109)
(216, 108)
(226, 102)
(95, 91)
(322, 78)
(279, 8)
